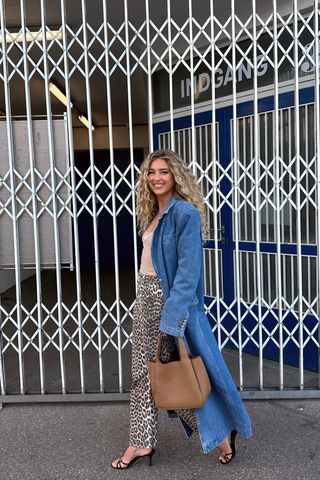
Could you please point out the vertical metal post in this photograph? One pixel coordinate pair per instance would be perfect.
(215, 160)
(149, 66)
(15, 222)
(317, 154)
(192, 92)
(93, 193)
(131, 140)
(171, 105)
(114, 208)
(298, 187)
(236, 187)
(256, 155)
(276, 153)
(33, 193)
(2, 368)
(74, 187)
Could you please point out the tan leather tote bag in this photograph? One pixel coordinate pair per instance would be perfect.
(181, 384)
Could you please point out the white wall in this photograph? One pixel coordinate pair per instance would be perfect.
(7, 278)
(101, 137)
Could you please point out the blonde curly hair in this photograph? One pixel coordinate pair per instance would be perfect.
(186, 188)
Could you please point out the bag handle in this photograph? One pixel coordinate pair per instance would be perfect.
(183, 351)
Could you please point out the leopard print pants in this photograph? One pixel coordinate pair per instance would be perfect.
(145, 332)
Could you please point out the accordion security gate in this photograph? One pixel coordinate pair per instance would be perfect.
(65, 331)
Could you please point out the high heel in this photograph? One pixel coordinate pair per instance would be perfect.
(120, 462)
(227, 457)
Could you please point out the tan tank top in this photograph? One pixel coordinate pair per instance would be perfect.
(146, 266)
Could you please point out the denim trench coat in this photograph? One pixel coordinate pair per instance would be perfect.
(177, 258)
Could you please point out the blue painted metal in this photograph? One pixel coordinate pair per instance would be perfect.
(249, 321)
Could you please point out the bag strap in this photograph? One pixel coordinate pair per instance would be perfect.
(184, 354)
(183, 351)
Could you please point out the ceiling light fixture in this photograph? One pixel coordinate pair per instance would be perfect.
(58, 93)
(31, 36)
(63, 99)
(85, 121)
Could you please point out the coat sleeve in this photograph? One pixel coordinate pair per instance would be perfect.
(175, 314)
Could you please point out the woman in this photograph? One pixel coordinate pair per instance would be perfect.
(171, 217)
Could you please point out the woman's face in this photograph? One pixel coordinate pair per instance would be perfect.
(160, 178)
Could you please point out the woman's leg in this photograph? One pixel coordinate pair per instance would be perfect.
(225, 449)
(228, 448)
(143, 413)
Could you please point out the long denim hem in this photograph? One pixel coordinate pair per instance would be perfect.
(207, 447)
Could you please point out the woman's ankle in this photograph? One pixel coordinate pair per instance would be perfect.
(225, 446)
(140, 450)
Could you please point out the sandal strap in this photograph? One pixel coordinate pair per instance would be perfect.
(121, 462)
(226, 457)
(226, 460)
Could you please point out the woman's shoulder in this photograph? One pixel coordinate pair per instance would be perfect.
(183, 206)
(185, 211)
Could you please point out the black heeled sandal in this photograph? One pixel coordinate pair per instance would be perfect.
(120, 462)
(227, 457)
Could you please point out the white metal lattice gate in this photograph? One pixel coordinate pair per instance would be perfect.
(68, 246)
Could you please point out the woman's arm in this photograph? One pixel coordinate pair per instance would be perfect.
(174, 314)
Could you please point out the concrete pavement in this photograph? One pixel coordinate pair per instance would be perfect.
(78, 442)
